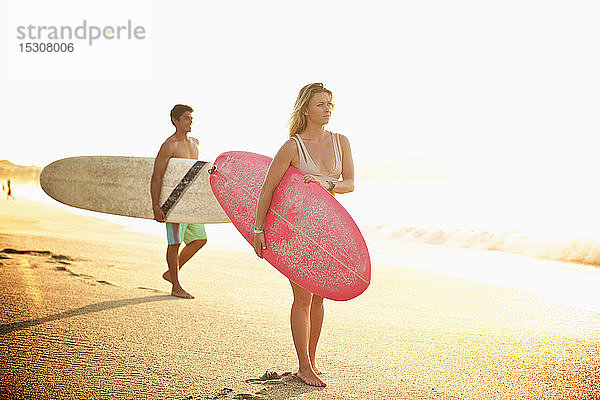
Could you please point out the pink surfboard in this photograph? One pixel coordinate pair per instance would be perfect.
(311, 238)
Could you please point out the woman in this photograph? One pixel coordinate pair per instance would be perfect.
(323, 156)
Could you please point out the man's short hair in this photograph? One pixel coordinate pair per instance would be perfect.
(178, 111)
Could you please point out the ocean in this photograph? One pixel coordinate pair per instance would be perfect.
(558, 223)
(534, 219)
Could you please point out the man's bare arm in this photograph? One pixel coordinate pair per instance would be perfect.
(160, 165)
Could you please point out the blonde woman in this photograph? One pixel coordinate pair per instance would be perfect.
(323, 157)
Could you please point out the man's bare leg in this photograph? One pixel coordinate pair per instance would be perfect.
(300, 324)
(186, 254)
(317, 311)
(173, 263)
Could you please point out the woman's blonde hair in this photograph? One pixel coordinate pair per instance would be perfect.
(297, 122)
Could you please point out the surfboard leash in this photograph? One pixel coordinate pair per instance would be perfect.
(294, 227)
(181, 187)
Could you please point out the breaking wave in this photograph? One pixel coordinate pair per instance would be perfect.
(583, 250)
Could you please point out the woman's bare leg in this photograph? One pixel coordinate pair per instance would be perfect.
(317, 312)
(300, 324)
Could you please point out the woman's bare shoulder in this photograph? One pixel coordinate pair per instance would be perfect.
(343, 139)
(288, 151)
(289, 144)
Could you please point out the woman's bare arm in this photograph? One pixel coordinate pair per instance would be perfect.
(346, 185)
(279, 166)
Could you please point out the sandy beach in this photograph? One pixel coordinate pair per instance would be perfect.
(85, 314)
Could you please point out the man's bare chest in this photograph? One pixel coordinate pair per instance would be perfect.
(185, 150)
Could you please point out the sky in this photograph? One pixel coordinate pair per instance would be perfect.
(493, 90)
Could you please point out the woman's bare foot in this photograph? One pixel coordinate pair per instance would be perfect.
(310, 378)
(179, 292)
(317, 371)
(167, 277)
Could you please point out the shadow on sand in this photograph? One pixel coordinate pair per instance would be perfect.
(91, 308)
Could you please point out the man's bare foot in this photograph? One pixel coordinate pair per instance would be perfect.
(310, 378)
(167, 277)
(181, 293)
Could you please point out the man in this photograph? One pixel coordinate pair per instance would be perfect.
(9, 194)
(178, 145)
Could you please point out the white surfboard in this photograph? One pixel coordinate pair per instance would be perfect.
(121, 185)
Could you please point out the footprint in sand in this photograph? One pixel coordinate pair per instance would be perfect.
(221, 395)
(65, 269)
(64, 262)
(151, 289)
(268, 376)
(57, 257)
(245, 396)
(106, 283)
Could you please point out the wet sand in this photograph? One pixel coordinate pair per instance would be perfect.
(85, 314)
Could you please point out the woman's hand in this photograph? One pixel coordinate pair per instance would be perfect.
(259, 243)
(320, 181)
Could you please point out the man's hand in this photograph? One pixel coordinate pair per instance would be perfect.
(159, 215)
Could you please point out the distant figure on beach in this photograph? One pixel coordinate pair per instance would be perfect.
(323, 156)
(9, 194)
(194, 235)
